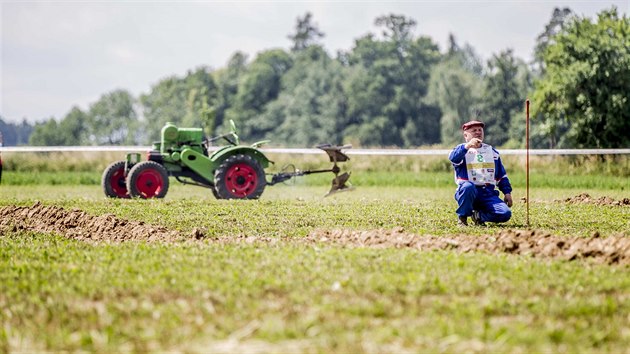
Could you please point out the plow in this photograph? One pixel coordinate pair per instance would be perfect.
(232, 171)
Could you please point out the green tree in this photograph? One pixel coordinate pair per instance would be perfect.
(546, 133)
(503, 97)
(398, 31)
(306, 33)
(258, 85)
(73, 128)
(112, 120)
(456, 88)
(184, 101)
(310, 110)
(15, 134)
(556, 24)
(587, 82)
(202, 96)
(465, 55)
(386, 84)
(46, 133)
(227, 80)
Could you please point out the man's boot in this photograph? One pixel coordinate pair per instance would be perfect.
(462, 221)
(476, 218)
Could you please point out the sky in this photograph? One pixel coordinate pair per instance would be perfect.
(59, 54)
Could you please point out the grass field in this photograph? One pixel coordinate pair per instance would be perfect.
(58, 294)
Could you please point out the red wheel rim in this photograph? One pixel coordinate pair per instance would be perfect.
(149, 183)
(117, 182)
(241, 180)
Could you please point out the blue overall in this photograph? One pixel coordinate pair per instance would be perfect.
(483, 198)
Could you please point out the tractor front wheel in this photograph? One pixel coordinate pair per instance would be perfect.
(147, 179)
(239, 177)
(113, 180)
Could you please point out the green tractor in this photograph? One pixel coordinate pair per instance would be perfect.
(233, 171)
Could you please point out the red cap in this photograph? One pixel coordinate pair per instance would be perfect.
(472, 123)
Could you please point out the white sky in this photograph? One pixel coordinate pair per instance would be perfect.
(60, 54)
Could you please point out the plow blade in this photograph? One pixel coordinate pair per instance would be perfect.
(334, 152)
(340, 184)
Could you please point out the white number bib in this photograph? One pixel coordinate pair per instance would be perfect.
(480, 165)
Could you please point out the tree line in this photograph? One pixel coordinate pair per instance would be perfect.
(392, 89)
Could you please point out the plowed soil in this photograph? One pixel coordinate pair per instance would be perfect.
(585, 198)
(78, 225)
(609, 250)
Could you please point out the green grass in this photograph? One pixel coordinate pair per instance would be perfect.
(429, 179)
(63, 295)
(11, 178)
(285, 297)
(593, 172)
(300, 209)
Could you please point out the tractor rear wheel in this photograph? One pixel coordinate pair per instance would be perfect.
(239, 177)
(113, 180)
(147, 179)
(215, 193)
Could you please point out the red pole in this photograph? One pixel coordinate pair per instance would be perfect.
(527, 158)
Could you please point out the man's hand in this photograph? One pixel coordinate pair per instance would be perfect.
(473, 143)
(508, 200)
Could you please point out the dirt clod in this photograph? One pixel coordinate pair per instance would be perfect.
(535, 243)
(78, 225)
(585, 198)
